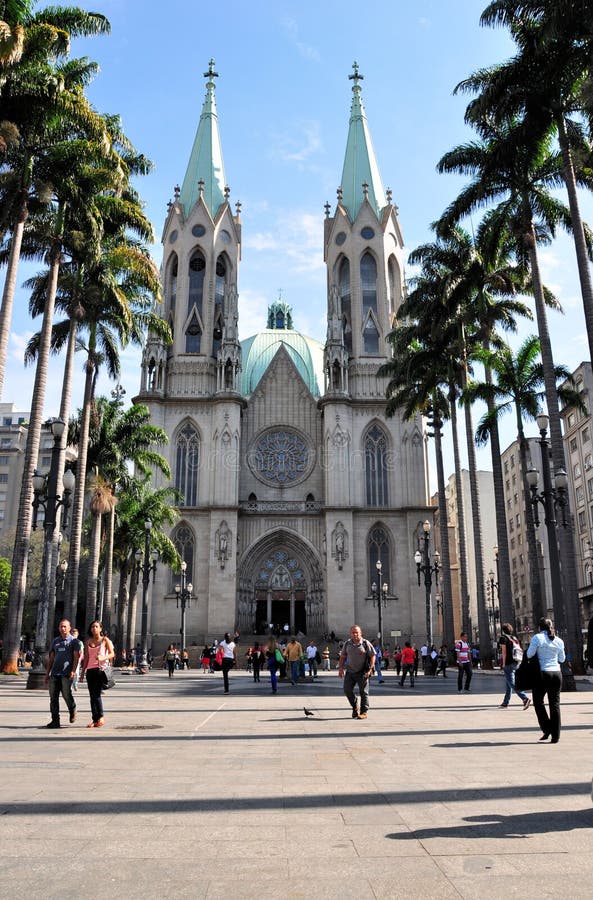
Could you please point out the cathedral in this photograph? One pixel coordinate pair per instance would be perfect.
(296, 493)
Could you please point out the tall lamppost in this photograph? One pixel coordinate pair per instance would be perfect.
(45, 495)
(184, 597)
(493, 610)
(379, 591)
(424, 566)
(146, 567)
(554, 495)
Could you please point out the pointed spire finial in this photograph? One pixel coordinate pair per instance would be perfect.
(238, 206)
(339, 193)
(389, 194)
(365, 190)
(327, 209)
(356, 77)
(211, 73)
(201, 187)
(176, 191)
(227, 192)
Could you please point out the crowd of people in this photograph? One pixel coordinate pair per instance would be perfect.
(70, 661)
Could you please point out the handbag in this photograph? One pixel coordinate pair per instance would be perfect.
(528, 673)
(108, 678)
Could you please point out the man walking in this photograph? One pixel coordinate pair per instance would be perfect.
(62, 663)
(312, 659)
(293, 654)
(357, 659)
(408, 664)
(464, 663)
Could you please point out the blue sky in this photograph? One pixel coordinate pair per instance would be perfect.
(283, 100)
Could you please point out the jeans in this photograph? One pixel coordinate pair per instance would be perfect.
(256, 669)
(273, 670)
(408, 669)
(227, 665)
(351, 680)
(60, 685)
(295, 671)
(461, 668)
(94, 682)
(509, 676)
(550, 684)
(312, 667)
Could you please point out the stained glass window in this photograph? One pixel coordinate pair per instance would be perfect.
(187, 458)
(375, 453)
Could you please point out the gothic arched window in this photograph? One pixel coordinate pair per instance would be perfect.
(183, 538)
(193, 335)
(378, 551)
(219, 289)
(375, 463)
(171, 281)
(370, 336)
(345, 303)
(197, 271)
(187, 459)
(368, 283)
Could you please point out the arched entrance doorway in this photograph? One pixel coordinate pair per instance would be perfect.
(281, 583)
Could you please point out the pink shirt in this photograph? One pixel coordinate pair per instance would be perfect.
(93, 653)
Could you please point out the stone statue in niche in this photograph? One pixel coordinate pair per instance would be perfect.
(339, 544)
(223, 543)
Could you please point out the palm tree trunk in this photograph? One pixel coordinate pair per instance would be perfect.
(20, 557)
(122, 612)
(93, 567)
(538, 604)
(445, 571)
(463, 583)
(483, 625)
(79, 497)
(132, 607)
(10, 284)
(578, 232)
(108, 571)
(503, 562)
(567, 613)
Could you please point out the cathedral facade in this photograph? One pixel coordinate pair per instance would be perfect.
(293, 484)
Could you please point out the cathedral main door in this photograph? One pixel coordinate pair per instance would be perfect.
(280, 587)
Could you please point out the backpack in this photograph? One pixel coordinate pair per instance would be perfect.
(317, 657)
(517, 651)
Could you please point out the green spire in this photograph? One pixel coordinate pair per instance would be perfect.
(205, 170)
(360, 163)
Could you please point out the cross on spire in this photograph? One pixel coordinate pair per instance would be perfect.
(211, 73)
(357, 76)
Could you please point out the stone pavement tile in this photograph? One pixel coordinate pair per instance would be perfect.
(321, 887)
(525, 886)
(414, 888)
(484, 867)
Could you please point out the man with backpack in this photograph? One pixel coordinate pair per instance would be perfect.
(512, 654)
(355, 665)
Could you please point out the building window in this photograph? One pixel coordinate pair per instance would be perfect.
(515, 498)
(368, 282)
(570, 420)
(187, 459)
(518, 519)
(3, 478)
(375, 457)
(576, 469)
(512, 460)
(585, 435)
(579, 495)
(219, 291)
(6, 442)
(582, 520)
(345, 304)
(197, 271)
(378, 549)
(193, 335)
(3, 460)
(172, 281)
(573, 445)
(590, 488)
(183, 539)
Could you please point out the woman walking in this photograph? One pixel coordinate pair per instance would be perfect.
(170, 659)
(98, 653)
(512, 654)
(229, 656)
(550, 653)
(272, 652)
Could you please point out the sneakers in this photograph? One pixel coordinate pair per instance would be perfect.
(362, 715)
(526, 703)
(53, 724)
(505, 706)
(355, 712)
(73, 715)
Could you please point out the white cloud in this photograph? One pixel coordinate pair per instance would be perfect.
(424, 22)
(299, 146)
(253, 313)
(291, 30)
(261, 240)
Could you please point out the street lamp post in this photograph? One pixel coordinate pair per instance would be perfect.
(553, 496)
(379, 590)
(493, 610)
(184, 597)
(146, 567)
(45, 495)
(424, 565)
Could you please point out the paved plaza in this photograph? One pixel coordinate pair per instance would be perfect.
(188, 792)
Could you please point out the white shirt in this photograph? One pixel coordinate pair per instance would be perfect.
(228, 649)
(311, 652)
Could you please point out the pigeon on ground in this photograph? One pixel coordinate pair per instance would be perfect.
(308, 711)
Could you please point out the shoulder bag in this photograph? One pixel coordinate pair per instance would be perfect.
(528, 673)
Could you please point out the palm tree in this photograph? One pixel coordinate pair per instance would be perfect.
(519, 385)
(41, 97)
(548, 80)
(514, 171)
